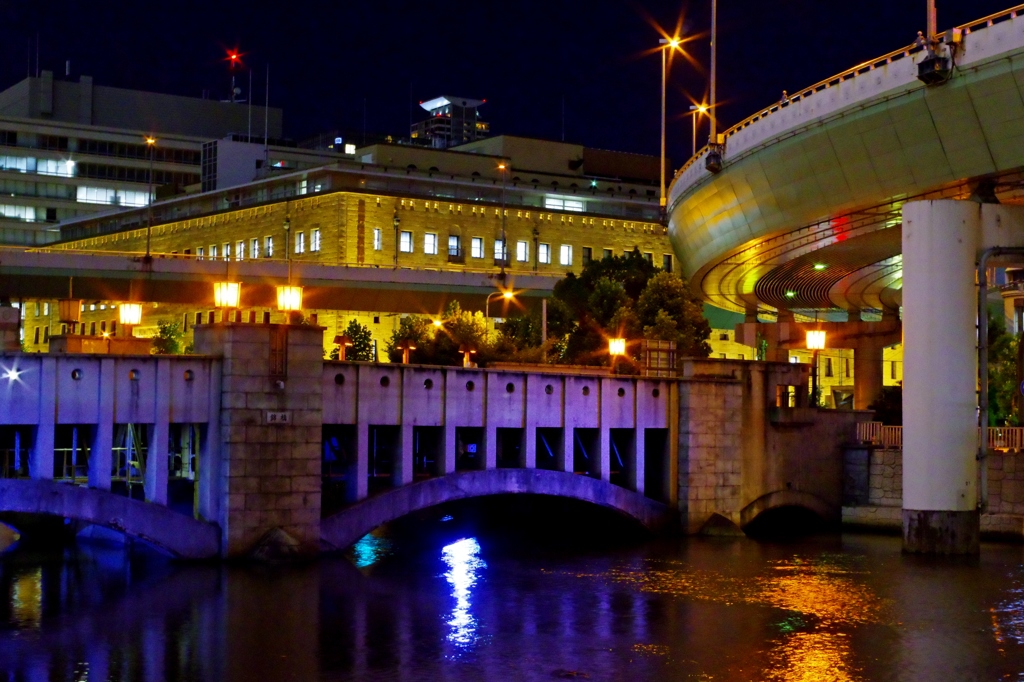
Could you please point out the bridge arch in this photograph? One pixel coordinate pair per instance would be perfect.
(828, 513)
(348, 525)
(177, 534)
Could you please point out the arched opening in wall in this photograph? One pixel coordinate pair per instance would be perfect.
(657, 465)
(550, 449)
(503, 526)
(384, 445)
(469, 448)
(338, 473)
(15, 446)
(585, 452)
(511, 450)
(785, 522)
(427, 452)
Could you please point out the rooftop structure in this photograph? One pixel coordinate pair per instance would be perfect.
(452, 121)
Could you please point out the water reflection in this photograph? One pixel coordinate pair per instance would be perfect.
(812, 657)
(464, 562)
(370, 549)
(27, 599)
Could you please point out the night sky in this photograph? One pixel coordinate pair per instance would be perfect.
(523, 57)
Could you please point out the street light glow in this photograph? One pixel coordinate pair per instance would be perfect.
(130, 313)
(289, 298)
(616, 346)
(816, 339)
(508, 295)
(226, 294)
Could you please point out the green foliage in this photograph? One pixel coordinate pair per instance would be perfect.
(440, 344)
(619, 296)
(168, 340)
(1002, 372)
(362, 342)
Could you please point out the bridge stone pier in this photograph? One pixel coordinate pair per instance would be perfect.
(289, 454)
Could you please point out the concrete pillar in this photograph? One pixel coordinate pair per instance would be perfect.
(40, 460)
(209, 454)
(359, 487)
(155, 483)
(490, 447)
(448, 449)
(636, 481)
(154, 648)
(530, 447)
(101, 454)
(940, 245)
(568, 445)
(867, 372)
(604, 454)
(403, 463)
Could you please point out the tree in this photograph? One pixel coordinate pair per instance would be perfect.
(439, 342)
(670, 312)
(361, 349)
(168, 338)
(1002, 372)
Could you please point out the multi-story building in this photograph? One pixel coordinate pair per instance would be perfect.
(451, 121)
(395, 206)
(72, 148)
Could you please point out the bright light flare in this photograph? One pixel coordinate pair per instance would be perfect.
(616, 346)
(12, 374)
(289, 298)
(816, 339)
(130, 313)
(226, 294)
(464, 564)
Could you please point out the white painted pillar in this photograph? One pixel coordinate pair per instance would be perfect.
(603, 454)
(101, 456)
(940, 440)
(155, 484)
(448, 449)
(490, 447)
(40, 461)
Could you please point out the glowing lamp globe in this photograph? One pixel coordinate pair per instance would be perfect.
(226, 294)
(130, 313)
(816, 339)
(289, 298)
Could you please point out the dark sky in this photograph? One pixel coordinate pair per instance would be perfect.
(522, 56)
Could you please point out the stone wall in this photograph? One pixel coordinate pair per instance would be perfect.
(270, 426)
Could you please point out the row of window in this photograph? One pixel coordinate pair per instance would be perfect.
(522, 249)
(124, 150)
(256, 249)
(66, 168)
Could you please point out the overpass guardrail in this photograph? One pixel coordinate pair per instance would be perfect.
(999, 437)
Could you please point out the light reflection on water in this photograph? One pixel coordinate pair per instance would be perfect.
(463, 561)
(370, 549)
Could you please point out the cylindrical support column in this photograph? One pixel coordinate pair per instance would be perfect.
(940, 433)
(867, 373)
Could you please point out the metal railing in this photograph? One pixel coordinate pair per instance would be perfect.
(864, 67)
(999, 437)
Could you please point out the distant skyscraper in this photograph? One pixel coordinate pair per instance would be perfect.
(452, 121)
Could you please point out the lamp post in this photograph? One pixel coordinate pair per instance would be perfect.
(503, 167)
(616, 349)
(151, 143)
(696, 110)
(507, 295)
(669, 44)
(815, 342)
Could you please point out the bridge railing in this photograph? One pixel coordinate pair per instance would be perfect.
(852, 72)
(999, 437)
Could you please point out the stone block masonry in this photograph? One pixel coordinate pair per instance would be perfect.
(270, 475)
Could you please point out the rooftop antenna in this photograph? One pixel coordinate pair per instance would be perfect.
(714, 38)
(248, 96)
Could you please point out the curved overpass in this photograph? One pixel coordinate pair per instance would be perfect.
(177, 534)
(806, 211)
(345, 527)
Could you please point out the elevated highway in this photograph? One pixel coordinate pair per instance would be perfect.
(806, 211)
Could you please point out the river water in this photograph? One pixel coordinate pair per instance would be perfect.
(448, 596)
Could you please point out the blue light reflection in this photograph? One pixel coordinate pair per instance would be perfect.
(464, 564)
(370, 549)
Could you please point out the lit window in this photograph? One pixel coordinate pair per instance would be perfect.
(268, 247)
(454, 245)
(227, 251)
(254, 248)
(59, 167)
(301, 189)
(565, 255)
(350, 149)
(544, 253)
(127, 197)
(500, 252)
(405, 242)
(522, 252)
(430, 243)
(378, 239)
(557, 203)
(477, 247)
(46, 309)
(17, 163)
(26, 213)
(213, 250)
(314, 240)
(606, 253)
(95, 195)
(300, 242)
(240, 250)
(200, 252)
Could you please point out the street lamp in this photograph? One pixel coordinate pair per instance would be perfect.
(696, 110)
(503, 167)
(151, 143)
(226, 294)
(669, 44)
(815, 342)
(507, 295)
(616, 349)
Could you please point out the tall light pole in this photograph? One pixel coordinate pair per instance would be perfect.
(932, 22)
(503, 167)
(151, 143)
(714, 62)
(668, 44)
(695, 111)
(507, 295)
